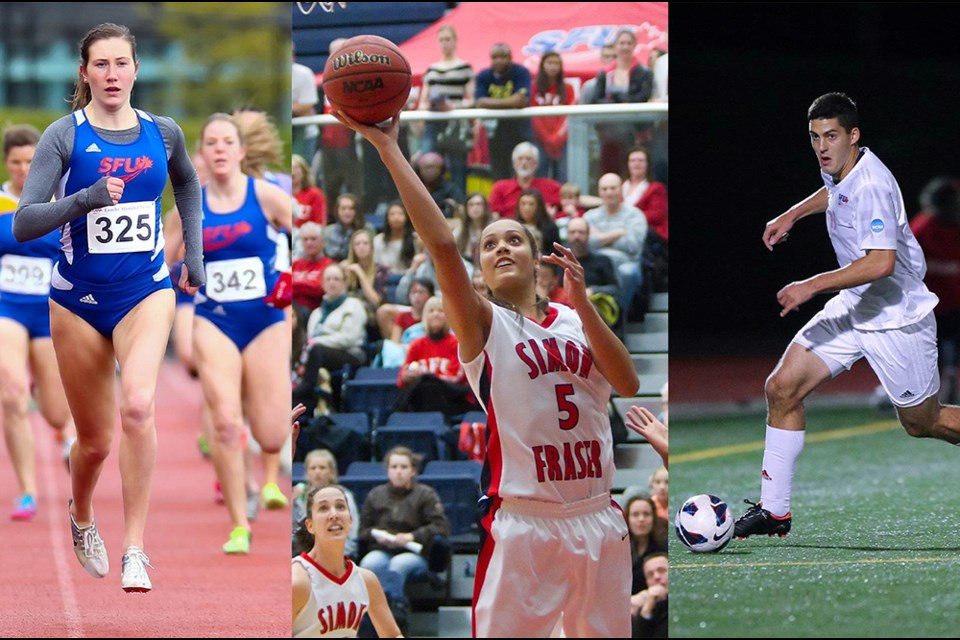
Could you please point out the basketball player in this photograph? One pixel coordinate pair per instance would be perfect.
(110, 298)
(330, 592)
(882, 311)
(26, 350)
(553, 542)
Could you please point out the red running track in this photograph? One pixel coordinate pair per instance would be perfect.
(197, 590)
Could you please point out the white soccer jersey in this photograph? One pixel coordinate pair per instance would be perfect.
(335, 607)
(866, 211)
(548, 428)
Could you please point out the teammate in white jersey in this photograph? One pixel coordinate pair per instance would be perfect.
(553, 544)
(331, 593)
(882, 311)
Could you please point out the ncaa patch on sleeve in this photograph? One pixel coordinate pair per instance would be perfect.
(876, 225)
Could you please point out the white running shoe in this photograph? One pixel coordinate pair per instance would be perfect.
(88, 546)
(134, 578)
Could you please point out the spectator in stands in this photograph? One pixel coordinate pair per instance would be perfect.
(341, 167)
(396, 322)
(448, 84)
(618, 231)
(625, 80)
(313, 204)
(532, 213)
(394, 247)
(647, 535)
(431, 377)
(658, 63)
(937, 229)
(473, 218)
(308, 272)
(506, 193)
(550, 284)
(349, 218)
(335, 336)
(321, 468)
(305, 97)
(569, 202)
(650, 610)
(431, 168)
(393, 517)
(550, 132)
(504, 85)
(366, 279)
(599, 274)
(659, 492)
(588, 92)
(640, 192)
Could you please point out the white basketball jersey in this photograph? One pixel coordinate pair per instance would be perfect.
(335, 607)
(548, 428)
(866, 211)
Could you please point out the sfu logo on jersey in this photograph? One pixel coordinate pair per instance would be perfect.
(843, 199)
(224, 235)
(125, 168)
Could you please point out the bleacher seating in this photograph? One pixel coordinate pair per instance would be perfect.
(459, 494)
(468, 468)
(373, 391)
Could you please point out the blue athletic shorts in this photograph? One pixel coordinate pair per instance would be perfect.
(34, 316)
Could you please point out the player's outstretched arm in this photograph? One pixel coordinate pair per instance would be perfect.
(642, 420)
(609, 353)
(462, 305)
(778, 229)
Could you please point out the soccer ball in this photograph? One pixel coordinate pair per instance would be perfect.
(704, 523)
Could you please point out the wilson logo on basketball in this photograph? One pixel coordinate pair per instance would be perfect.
(358, 57)
(361, 86)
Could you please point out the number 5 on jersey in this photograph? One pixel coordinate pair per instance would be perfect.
(566, 405)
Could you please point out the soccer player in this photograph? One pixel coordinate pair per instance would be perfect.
(882, 310)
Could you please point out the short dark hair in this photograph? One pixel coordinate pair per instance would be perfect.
(19, 135)
(835, 105)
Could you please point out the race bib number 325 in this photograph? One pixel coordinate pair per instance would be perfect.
(128, 227)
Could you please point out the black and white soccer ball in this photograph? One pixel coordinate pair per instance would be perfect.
(704, 523)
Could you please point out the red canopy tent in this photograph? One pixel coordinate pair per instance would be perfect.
(577, 30)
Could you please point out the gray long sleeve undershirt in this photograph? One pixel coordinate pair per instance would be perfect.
(36, 215)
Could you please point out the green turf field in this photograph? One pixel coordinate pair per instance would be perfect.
(875, 546)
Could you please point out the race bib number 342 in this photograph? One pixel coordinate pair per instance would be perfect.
(236, 280)
(128, 227)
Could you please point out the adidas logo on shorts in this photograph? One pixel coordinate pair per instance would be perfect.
(93, 148)
(88, 299)
(906, 394)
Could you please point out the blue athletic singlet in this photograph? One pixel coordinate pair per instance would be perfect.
(112, 257)
(240, 251)
(25, 269)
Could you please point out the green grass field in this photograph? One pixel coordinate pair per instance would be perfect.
(875, 546)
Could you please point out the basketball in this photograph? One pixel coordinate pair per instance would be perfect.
(368, 79)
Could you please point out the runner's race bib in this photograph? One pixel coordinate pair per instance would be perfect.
(129, 227)
(236, 280)
(22, 274)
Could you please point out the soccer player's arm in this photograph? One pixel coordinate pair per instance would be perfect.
(778, 229)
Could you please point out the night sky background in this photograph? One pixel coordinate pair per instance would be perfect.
(742, 77)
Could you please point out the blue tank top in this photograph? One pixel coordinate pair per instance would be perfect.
(25, 267)
(116, 243)
(240, 251)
